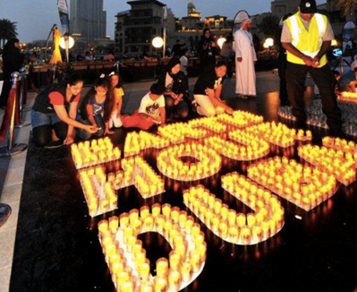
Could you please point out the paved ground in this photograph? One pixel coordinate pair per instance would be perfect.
(12, 169)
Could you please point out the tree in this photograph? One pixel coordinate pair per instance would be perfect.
(7, 31)
(269, 25)
(347, 5)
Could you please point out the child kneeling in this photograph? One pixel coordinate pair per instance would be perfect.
(151, 110)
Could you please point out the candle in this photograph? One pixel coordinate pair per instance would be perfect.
(160, 284)
(175, 260)
(113, 224)
(144, 212)
(175, 280)
(186, 271)
(162, 267)
(146, 286)
(144, 271)
(148, 223)
(233, 234)
(195, 260)
(124, 220)
(166, 210)
(156, 210)
(245, 235)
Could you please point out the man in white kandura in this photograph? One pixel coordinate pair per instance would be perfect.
(245, 60)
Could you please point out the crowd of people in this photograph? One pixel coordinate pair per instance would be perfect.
(60, 114)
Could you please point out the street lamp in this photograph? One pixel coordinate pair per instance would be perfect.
(67, 43)
(221, 41)
(63, 42)
(157, 42)
(269, 42)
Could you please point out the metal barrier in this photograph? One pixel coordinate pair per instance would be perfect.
(24, 71)
(11, 148)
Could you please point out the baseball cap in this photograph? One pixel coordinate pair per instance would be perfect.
(308, 6)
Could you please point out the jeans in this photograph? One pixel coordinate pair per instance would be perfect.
(84, 135)
(295, 78)
(42, 126)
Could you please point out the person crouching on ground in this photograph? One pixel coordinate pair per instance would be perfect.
(151, 111)
(176, 90)
(208, 89)
(96, 109)
(117, 93)
(54, 114)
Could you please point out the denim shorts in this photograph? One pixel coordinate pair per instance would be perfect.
(40, 119)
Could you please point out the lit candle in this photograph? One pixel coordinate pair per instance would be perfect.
(233, 234)
(175, 260)
(166, 210)
(245, 235)
(160, 284)
(195, 260)
(241, 219)
(149, 223)
(144, 212)
(144, 271)
(156, 210)
(124, 220)
(186, 271)
(175, 280)
(162, 267)
(113, 224)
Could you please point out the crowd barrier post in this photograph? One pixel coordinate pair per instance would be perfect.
(11, 148)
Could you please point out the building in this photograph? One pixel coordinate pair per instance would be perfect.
(136, 28)
(280, 8)
(190, 28)
(88, 21)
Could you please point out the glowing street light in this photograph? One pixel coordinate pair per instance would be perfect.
(63, 42)
(221, 41)
(269, 42)
(157, 42)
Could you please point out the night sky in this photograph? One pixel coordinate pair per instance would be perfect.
(35, 18)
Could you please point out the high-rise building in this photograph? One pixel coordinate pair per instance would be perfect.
(88, 20)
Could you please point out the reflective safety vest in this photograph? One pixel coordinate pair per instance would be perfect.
(308, 42)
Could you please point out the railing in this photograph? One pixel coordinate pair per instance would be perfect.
(12, 117)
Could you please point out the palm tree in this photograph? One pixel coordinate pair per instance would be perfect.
(7, 30)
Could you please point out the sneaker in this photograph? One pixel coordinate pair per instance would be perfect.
(54, 144)
(5, 212)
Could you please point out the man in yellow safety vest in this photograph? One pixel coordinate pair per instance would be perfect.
(307, 37)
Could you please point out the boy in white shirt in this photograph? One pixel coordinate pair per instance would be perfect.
(151, 110)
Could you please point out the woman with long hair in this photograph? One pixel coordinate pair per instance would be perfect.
(12, 62)
(96, 109)
(54, 114)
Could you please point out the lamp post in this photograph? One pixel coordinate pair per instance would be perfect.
(157, 43)
(67, 43)
(269, 42)
(221, 41)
